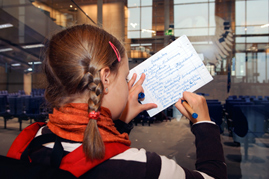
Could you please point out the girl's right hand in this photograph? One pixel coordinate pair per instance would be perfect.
(133, 107)
(197, 103)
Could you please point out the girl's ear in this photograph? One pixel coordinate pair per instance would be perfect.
(105, 76)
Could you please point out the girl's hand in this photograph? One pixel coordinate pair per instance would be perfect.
(197, 103)
(133, 107)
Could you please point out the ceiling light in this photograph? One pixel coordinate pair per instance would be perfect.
(35, 63)
(146, 44)
(265, 25)
(135, 45)
(7, 25)
(16, 64)
(133, 24)
(148, 30)
(33, 46)
(6, 49)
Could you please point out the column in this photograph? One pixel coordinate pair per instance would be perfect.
(166, 21)
(100, 13)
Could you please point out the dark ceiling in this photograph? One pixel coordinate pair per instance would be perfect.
(31, 26)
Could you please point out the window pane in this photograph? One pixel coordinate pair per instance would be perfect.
(257, 12)
(212, 15)
(240, 13)
(261, 67)
(240, 47)
(133, 34)
(267, 67)
(133, 3)
(146, 3)
(188, 1)
(256, 30)
(191, 32)
(146, 34)
(146, 18)
(212, 31)
(240, 30)
(134, 19)
(191, 15)
(240, 65)
(257, 39)
(240, 39)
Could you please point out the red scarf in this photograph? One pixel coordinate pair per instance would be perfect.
(70, 122)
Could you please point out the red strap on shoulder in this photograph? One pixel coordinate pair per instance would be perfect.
(23, 140)
(77, 163)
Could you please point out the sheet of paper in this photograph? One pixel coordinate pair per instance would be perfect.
(171, 71)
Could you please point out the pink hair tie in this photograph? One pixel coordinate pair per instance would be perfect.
(115, 50)
(94, 115)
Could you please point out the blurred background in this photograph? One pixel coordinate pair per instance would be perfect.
(230, 36)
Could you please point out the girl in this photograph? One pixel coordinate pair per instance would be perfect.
(86, 70)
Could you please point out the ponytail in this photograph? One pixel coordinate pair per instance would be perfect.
(93, 145)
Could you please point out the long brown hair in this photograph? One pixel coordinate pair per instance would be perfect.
(74, 58)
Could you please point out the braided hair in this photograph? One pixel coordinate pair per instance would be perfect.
(74, 58)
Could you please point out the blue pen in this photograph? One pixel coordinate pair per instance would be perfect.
(141, 95)
(189, 109)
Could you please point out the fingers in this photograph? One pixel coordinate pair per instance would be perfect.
(198, 105)
(137, 87)
(190, 97)
(141, 80)
(131, 82)
(181, 108)
(148, 106)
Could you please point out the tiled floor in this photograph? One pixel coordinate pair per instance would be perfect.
(175, 140)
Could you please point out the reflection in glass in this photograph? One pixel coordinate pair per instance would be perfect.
(188, 1)
(240, 39)
(267, 74)
(35, 20)
(240, 30)
(257, 12)
(212, 15)
(257, 30)
(134, 19)
(257, 39)
(133, 34)
(146, 22)
(240, 13)
(212, 31)
(261, 67)
(191, 32)
(191, 16)
(146, 2)
(133, 3)
(240, 64)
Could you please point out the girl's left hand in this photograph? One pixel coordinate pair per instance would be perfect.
(133, 107)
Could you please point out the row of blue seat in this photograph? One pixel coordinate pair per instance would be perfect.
(23, 107)
(215, 110)
(34, 92)
(251, 97)
(247, 118)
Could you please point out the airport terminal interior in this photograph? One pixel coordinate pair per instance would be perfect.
(231, 38)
